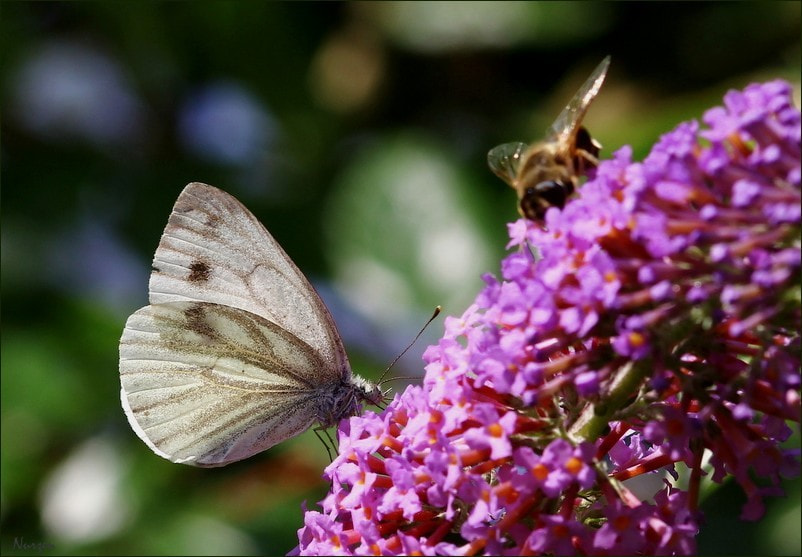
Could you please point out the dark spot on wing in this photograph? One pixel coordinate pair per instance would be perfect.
(212, 220)
(199, 271)
(196, 322)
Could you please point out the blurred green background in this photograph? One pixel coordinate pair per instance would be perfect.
(357, 132)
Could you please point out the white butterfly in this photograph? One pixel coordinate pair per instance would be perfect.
(236, 352)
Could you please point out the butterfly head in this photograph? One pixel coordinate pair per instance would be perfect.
(367, 391)
(348, 400)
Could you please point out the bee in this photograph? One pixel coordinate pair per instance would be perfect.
(546, 173)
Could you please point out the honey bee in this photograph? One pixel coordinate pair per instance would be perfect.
(546, 173)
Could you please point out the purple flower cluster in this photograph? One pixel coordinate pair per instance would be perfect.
(654, 319)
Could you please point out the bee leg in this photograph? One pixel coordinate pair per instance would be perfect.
(586, 151)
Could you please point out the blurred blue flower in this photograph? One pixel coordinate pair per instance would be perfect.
(226, 124)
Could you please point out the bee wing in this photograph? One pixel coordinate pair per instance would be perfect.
(504, 160)
(214, 250)
(567, 123)
(207, 385)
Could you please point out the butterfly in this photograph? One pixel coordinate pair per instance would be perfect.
(236, 351)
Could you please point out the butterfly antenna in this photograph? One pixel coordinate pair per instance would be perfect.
(437, 311)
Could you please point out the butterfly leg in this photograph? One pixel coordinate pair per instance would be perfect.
(328, 442)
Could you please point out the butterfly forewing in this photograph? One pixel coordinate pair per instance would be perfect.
(214, 250)
(207, 384)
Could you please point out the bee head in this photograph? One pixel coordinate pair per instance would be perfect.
(537, 199)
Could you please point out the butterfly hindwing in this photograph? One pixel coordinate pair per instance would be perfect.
(207, 384)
